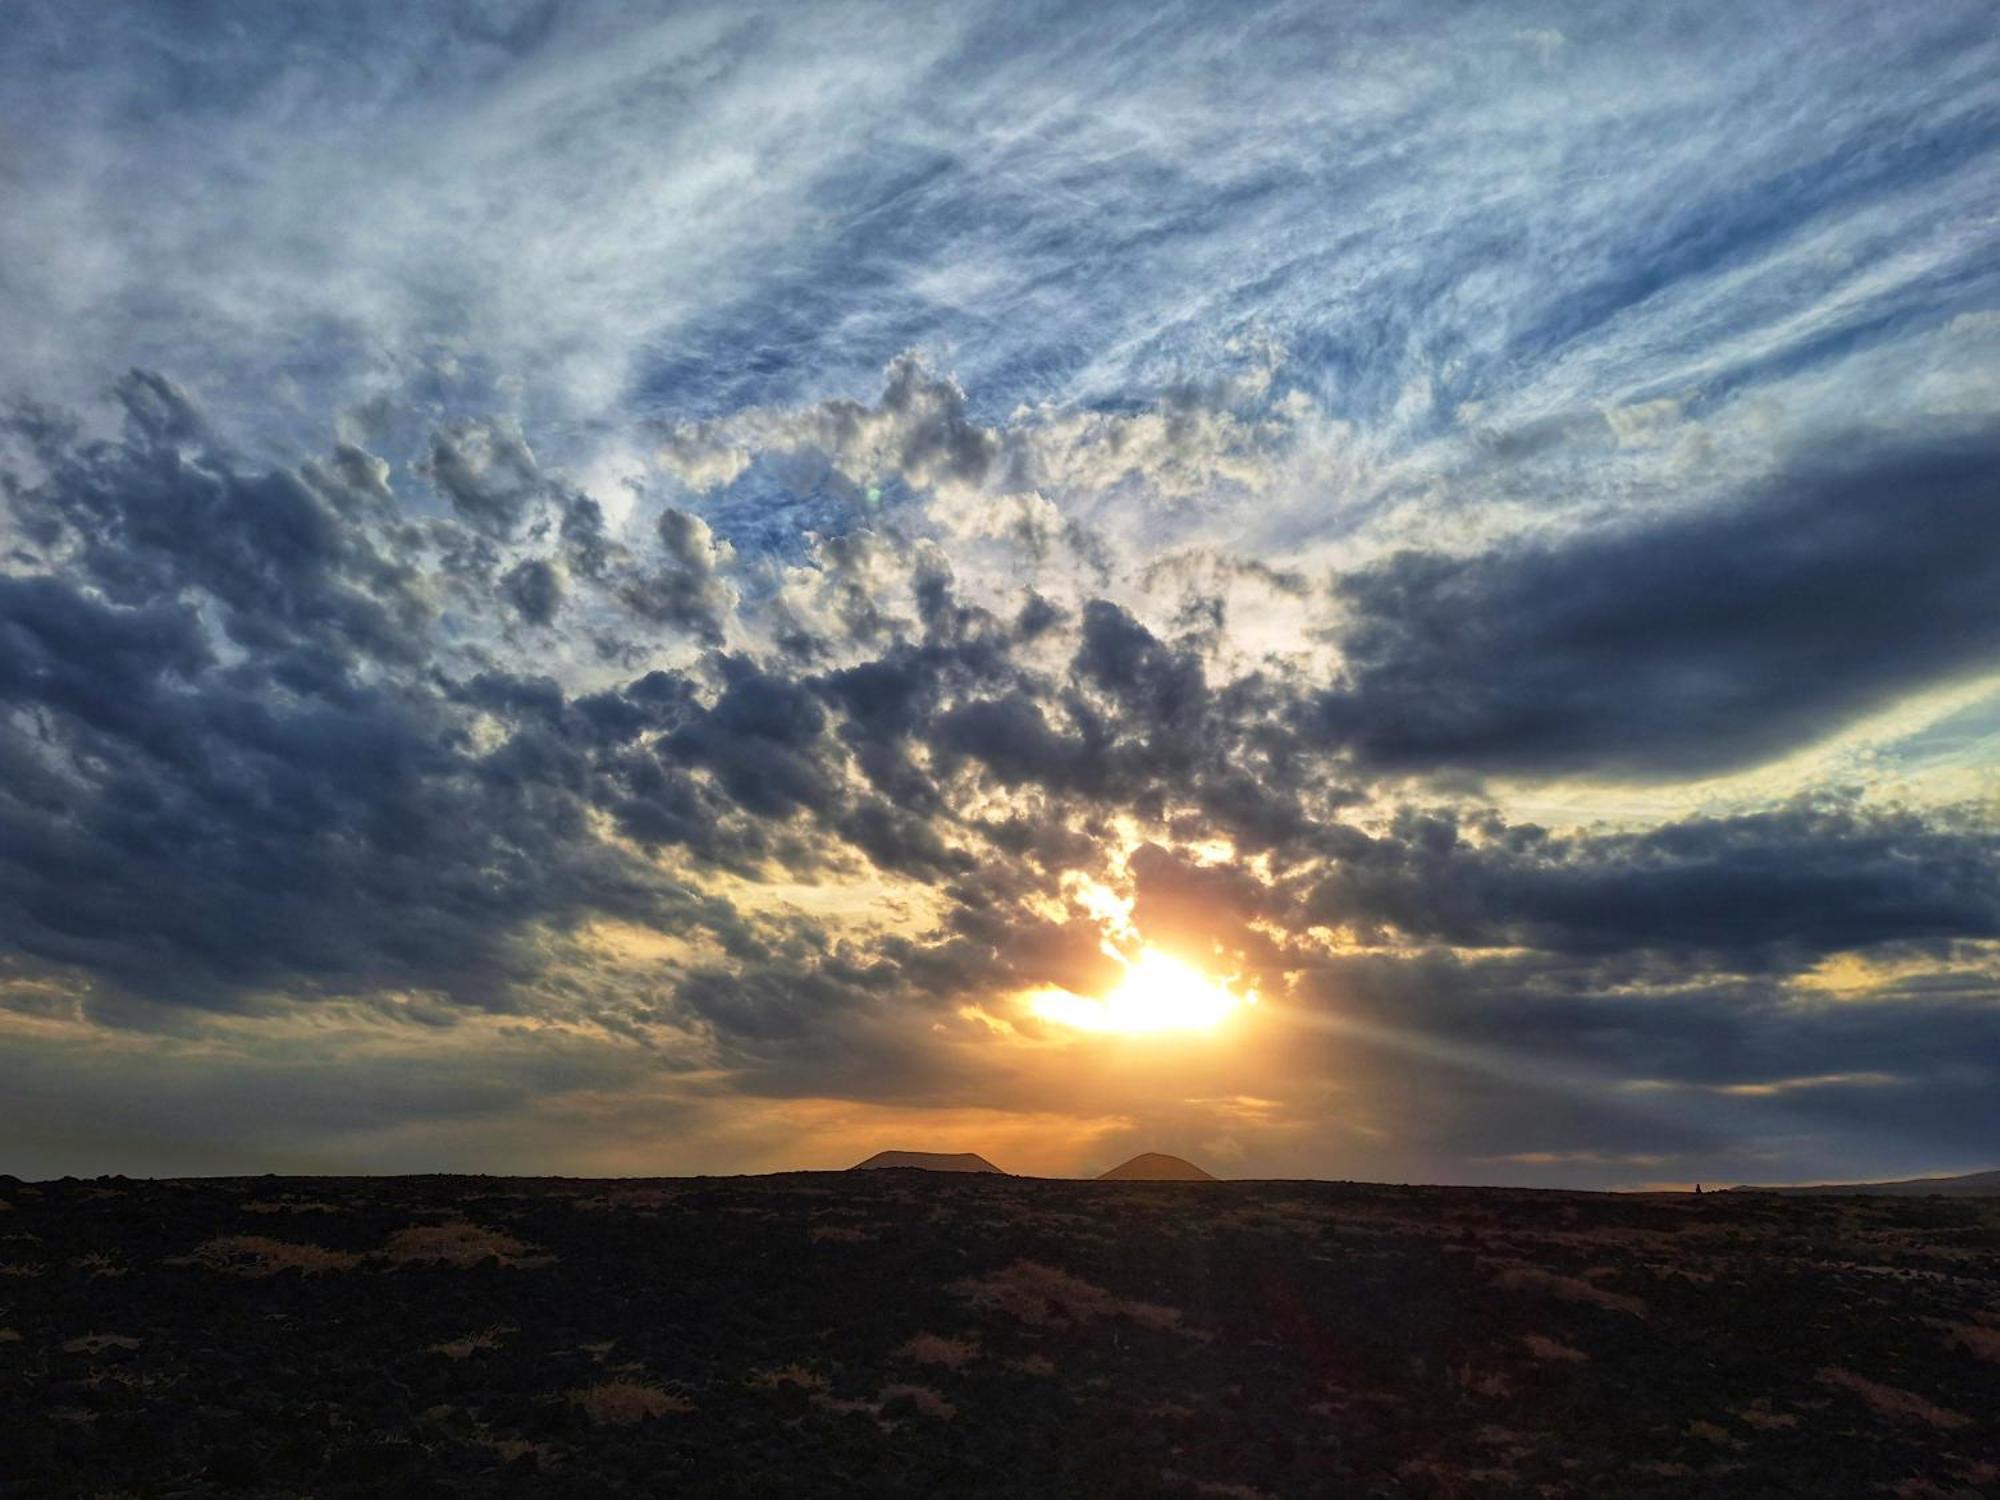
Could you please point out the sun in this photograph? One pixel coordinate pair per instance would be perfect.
(1158, 993)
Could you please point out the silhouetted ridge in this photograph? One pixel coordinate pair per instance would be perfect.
(1153, 1166)
(928, 1161)
(1912, 1187)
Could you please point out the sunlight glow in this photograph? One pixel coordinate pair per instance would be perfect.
(1158, 993)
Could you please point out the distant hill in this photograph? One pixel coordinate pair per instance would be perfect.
(928, 1161)
(1914, 1187)
(1152, 1166)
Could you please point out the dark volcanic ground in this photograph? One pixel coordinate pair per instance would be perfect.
(904, 1333)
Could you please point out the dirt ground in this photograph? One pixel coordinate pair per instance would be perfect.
(907, 1333)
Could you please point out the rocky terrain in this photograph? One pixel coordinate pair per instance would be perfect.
(928, 1161)
(906, 1333)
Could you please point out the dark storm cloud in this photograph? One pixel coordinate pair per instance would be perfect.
(534, 588)
(1686, 646)
(1767, 890)
(164, 510)
(242, 753)
(1528, 1050)
(230, 766)
(584, 541)
(762, 741)
(687, 591)
(488, 474)
(1162, 688)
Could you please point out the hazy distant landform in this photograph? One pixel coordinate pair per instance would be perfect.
(1148, 1166)
(1977, 1183)
(1152, 1166)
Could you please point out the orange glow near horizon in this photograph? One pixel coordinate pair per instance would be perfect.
(1158, 993)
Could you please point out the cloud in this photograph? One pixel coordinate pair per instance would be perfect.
(698, 554)
(1681, 646)
(687, 590)
(487, 473)
(1777, 888)
(535, 590)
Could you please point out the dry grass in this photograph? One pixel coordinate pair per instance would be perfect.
(1543, 1347)
(1430, 1476)
(1031, 1364)
(9, 1336)
(256, 1255)
(1533, 1279)
(472, 1343)
(625, 1199)
(461, 1243)
(1480, 1382)
(936, 1349)
(290, 1208)
(1044, 1297)
(1979, 1340)
(620, 1403)
(510, 1449)
(1222, 1489)
(97, 1343)
(97, 1264)
(922, 1397)
(1759, 1415)
(793, 1375)
(16, 1268)
(1904, 1406)
(843, 1406)
(839, 1234)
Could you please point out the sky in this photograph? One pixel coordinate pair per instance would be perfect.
(1397, 591)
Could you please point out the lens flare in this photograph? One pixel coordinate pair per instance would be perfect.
(1158, 993)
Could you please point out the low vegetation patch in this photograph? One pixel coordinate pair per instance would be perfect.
(1536, 1281)
(936, 1349)
(620, 1403)
(460, 1243)
(1543, 1347)
(1904, 1406)
(1759, 1415)
(255, 1255)
(791, 1375)
(1976, 1338)
(838, 1234)
(472, 1343)
(922, 1397)
(1044, 1297)
(97, 1343)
